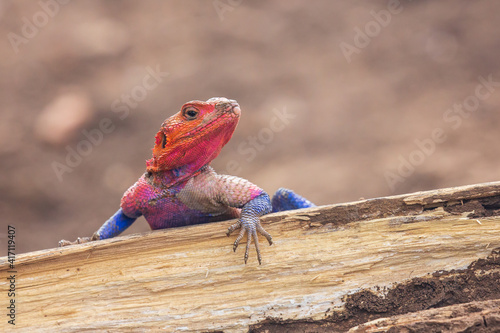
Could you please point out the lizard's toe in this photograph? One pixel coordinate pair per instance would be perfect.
(233, 227)
(265, 234)
(64, 242)
(239, 238)
(79, 240)
(247, 249)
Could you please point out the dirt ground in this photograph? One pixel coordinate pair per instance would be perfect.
(340, 100)
(479, 282)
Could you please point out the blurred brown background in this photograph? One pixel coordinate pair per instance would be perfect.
(334, 96)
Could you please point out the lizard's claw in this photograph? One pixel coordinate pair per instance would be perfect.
(251, 230)
(79, 240)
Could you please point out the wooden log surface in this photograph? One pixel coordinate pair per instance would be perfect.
(188, 279)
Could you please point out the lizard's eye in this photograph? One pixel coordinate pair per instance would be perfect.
(190, 113)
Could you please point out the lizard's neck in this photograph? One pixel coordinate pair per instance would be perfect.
(169, 178)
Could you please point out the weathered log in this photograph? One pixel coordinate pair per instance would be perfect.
(468, 317)
(188, 279)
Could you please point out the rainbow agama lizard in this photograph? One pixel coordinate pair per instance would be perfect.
(180, 188)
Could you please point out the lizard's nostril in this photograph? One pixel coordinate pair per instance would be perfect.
(236, 109)
(232, 107)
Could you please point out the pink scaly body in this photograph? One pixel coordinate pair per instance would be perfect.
(191, 201)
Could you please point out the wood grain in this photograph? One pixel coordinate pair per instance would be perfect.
(188, 279)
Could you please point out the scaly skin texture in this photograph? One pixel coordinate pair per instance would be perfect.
(180, 188)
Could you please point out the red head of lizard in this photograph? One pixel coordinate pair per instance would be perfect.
(195, 135)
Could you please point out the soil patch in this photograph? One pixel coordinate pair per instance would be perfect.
(480, 281)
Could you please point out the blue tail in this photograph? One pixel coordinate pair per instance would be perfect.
(285, 199)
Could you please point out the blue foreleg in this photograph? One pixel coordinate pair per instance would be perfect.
(115, 225)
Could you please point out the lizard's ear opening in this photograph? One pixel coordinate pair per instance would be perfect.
(161, 140)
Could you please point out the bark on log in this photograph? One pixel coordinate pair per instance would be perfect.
(188, 279)
(469, 317)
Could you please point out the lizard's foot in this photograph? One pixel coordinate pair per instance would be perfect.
(251, 230)
(79, 240)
